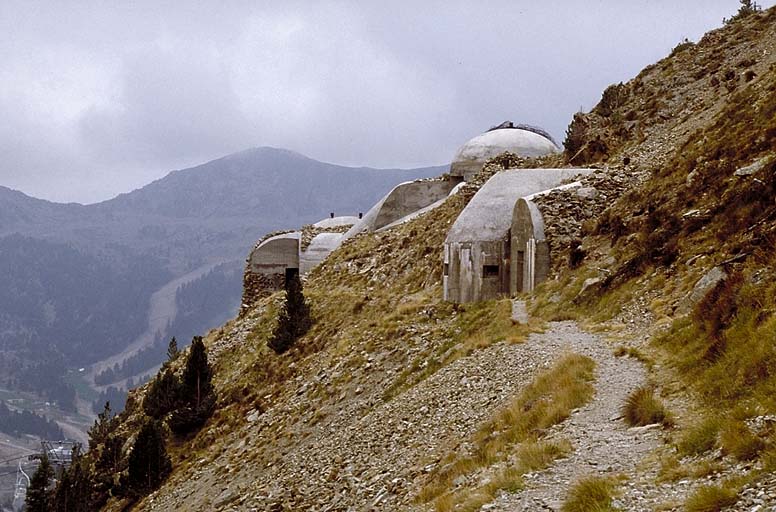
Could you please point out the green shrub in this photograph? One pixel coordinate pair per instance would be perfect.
(294, 319)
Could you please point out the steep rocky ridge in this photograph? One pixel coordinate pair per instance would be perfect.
(364, 410)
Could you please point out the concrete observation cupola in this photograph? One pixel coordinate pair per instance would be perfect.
(522, 140)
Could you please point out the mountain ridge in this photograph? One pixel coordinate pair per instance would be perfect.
(138, 241)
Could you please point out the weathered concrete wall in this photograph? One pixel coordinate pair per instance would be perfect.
(476, 271)
(472, 156)
(276, 254)
(265, 270)
(529, 252)
(405, 199)
(320, 247)
(477, 248)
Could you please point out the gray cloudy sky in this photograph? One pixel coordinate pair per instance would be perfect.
(98, 98)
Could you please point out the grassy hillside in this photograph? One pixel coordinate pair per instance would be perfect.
(378, 405)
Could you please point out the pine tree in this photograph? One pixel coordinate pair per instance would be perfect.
(172, 350)
(163, 395)
(197, 375)
(108, 462)
(197, 398)
(103, 426)
(38, 493)
(294, 319)
(74, 488)
(149, 463)
(747, 8)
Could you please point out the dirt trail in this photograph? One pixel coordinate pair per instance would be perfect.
(603, 444)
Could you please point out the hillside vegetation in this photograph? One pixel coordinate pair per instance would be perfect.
(396, 400)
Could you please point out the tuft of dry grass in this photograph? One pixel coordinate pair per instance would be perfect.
(591, 494)
(540, 454)
(672, 469)
(642, 407)
(711, 498)
(737, 440)
(546, 401)
(701, 437)
(634, 353)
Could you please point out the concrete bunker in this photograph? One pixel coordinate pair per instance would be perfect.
(273, 261)
(276, 254)
(319, 248)
(403, 201)
(480, 262)
(278, 257)
(523, 140)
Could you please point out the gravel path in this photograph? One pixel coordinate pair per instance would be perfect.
(603, 443)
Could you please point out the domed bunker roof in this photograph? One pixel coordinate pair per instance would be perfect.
(488, 216)
(523, 140)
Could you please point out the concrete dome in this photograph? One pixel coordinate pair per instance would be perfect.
(523, 142)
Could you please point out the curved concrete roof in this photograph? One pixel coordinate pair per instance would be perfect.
(275, 254)
(403, 200)
(320, 247)
(473, 155)
(488, 216)
(328, 222)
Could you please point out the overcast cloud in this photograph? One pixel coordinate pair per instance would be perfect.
(98, 98)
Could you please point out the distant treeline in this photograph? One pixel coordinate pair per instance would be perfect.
(143, 360)
(82, 306)
(200, 307)
(26, 422)
(47, 379)
(116, 396)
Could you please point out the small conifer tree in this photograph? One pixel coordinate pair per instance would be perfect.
(294, 319)
(149, 463)
(196, 381)
(108, 462)
(172, 350)
(197, 398)
(103, 426)
(163, 394)
(74, 488)
(747, 8)
(39, 492)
